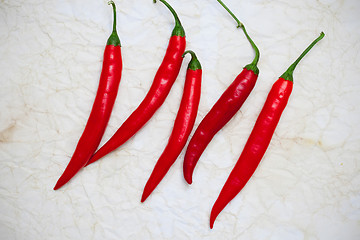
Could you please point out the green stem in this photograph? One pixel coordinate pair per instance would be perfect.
(288, 74)
(114, 38)
(114, 11)
(194, 63)
(178, 29)
(252, 66)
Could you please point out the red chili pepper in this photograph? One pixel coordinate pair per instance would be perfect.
(183, 125)
(259, 138)
(223, 110)
(101, 109)
(160, 88)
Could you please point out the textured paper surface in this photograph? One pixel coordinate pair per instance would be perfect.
(307, 185)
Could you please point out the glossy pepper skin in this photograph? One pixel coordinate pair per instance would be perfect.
(101, 109)
(183, 125)
(223, 110)
(259, 138)
(159, 90)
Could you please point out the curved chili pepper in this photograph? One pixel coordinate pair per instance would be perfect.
(101, 109)
(183, 125)
(223, 110)
(259, 138)
(160, 88)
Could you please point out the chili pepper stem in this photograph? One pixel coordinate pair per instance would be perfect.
(194, 63)
(114, 38)
(252, 66)
(288, 74)
(178, 29)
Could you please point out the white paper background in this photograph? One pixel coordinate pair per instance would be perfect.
(307, 185)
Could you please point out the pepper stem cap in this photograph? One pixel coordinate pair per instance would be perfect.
(194, 63)
(178, 29)
(114, 38)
